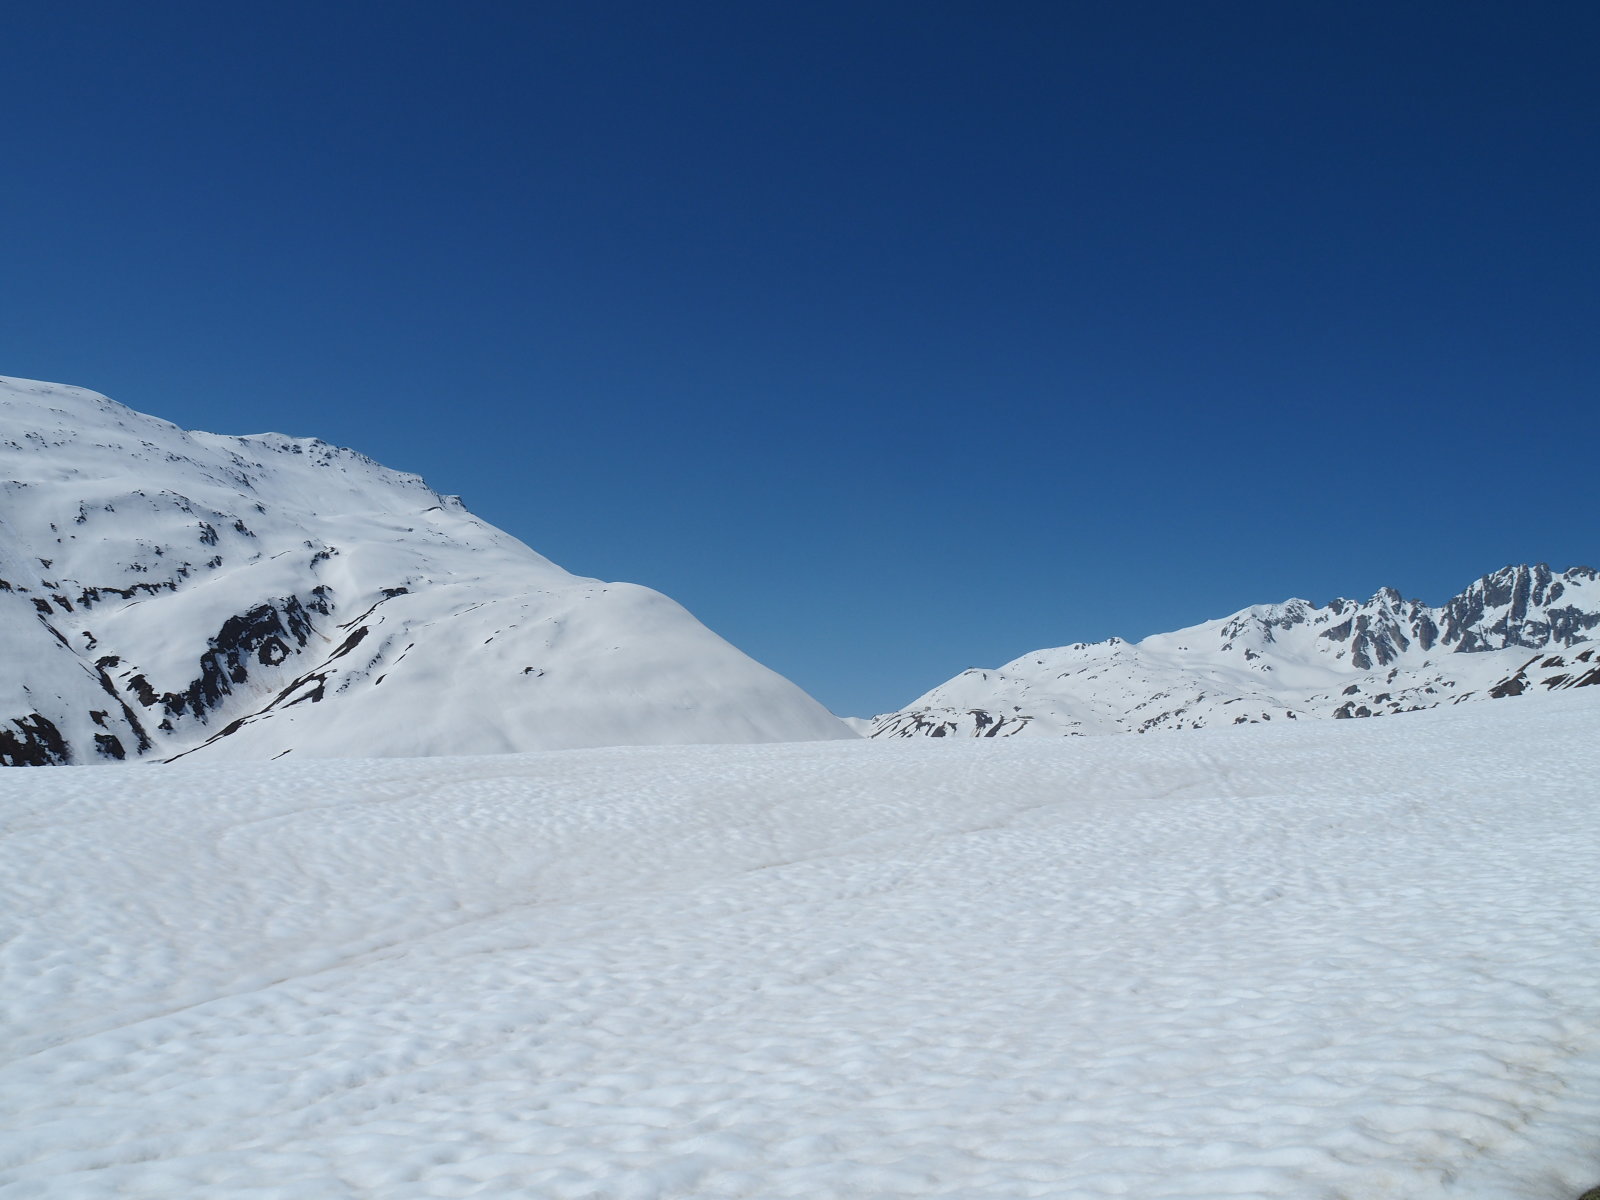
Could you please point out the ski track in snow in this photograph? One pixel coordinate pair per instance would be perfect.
(1342, 961)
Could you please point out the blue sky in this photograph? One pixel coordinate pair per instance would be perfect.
(889, 338)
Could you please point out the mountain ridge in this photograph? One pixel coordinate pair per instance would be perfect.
(1289, 660)
(166, 593)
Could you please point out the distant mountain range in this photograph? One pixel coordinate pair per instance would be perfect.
(1521, 629)
(167, 594)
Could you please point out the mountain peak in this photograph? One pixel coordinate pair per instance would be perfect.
(167, 593)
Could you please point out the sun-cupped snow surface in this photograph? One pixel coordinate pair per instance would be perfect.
(1319, 961)
(166, 592)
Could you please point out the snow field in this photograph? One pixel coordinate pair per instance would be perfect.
(1331, 961)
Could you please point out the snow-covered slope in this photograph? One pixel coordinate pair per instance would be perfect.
(1302, 961)
(165, 592)
(1522, 629)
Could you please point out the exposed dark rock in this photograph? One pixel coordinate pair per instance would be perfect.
(310, 688)
(1427, 632)
(1525, 592)
(940, 723)
(92, 595)
(264, 634)
(142, 691)
(36, 743)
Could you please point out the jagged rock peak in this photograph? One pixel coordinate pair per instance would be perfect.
(1529, 606)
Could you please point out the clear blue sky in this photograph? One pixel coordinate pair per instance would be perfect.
(890, 338)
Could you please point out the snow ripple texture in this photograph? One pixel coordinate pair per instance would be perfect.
(1341, 961)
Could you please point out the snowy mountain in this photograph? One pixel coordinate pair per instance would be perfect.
(166, 593)
(1521, 629)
